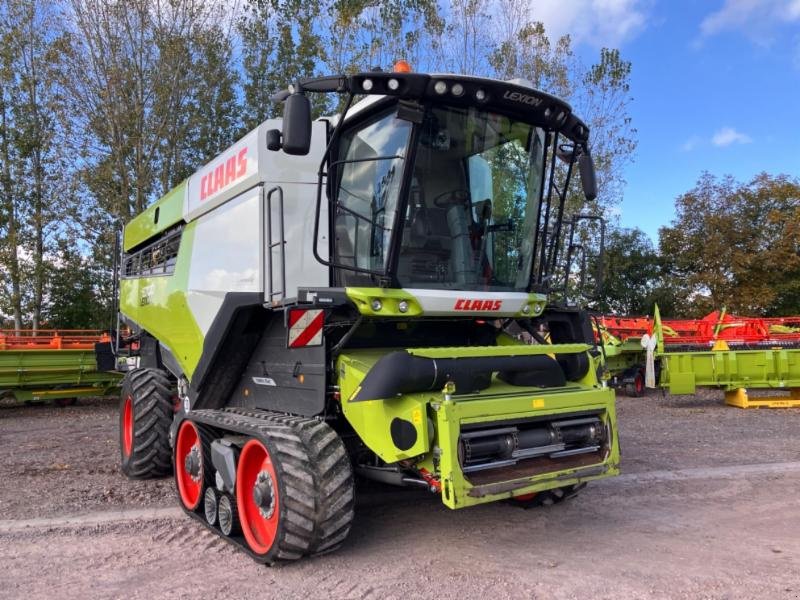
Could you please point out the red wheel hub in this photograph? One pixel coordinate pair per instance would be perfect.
(257, 496)
(127, 426)
(639, 381)
(189, 465)
(525, 497)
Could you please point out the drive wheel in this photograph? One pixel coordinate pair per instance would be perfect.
(192, 473)
(294, 490)
(263, 508)
(638, 385)
(146, 413)
(548, 497)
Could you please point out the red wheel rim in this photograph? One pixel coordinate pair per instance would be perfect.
(127, 426)
(639, 384)
(190, 486)
(525, 497)
(258, 525)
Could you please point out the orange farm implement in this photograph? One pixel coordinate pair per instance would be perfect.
(720, 350)
(58, 365)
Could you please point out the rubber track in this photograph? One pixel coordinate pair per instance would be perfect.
(153, 414)
(318, 491)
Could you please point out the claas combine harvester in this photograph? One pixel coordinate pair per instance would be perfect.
(347, 296)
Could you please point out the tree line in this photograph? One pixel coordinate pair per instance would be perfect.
(107, 104)
(733, 244)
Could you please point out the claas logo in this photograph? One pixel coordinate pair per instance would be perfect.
(477, 304)
(224, 174)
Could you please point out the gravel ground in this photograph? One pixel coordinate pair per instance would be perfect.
(72, 453)
(684, 521)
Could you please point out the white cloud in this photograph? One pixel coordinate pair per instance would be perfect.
(752, 17)
(728, 135)
(595, 22)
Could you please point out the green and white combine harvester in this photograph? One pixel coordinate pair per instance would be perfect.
(345, 296)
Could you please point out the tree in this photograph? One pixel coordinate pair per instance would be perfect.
(134, 78)
(9, 161)
(599, 93)
(633, 276)
(31, 150)
(737, 244)
(287, 40)
(73, 297)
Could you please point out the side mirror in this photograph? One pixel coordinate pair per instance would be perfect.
(588, 179)
(297, 125)
(274, 140)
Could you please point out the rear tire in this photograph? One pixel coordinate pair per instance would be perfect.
(145, 416)
(638, 385)
(548, 497)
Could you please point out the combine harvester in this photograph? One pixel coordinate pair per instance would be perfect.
(58, 365)
(720, 350)
(345, 296)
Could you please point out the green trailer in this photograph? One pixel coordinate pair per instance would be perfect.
(51, 365)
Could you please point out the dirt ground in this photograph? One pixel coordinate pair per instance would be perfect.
(707, 507)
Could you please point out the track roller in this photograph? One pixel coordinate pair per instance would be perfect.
(228, 515)
(210, 502)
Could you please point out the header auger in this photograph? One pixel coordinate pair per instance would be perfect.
(349, 295)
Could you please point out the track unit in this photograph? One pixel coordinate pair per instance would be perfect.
(287, 493)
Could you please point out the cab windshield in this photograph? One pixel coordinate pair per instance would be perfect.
(474, 190)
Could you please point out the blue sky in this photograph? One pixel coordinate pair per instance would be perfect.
(716, 87)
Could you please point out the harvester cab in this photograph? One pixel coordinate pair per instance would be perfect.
(367, 293)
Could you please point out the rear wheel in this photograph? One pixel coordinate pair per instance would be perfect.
(146, 413)
(548, 497)
(638, 385)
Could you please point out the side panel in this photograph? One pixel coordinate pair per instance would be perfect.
(247, 163)
(159, 216)
(159, 305)
(283, 379)
(226, 256)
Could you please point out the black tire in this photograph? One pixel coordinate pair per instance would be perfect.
(550, 497)
(145, 450)
(335, 486)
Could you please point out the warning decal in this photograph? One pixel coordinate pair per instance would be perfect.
(305, 328)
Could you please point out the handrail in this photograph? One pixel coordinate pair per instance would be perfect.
(280, 244)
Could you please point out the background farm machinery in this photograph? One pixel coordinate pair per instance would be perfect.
(720, 350)
(58, 365)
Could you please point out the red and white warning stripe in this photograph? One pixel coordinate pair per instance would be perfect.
(305, 327)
